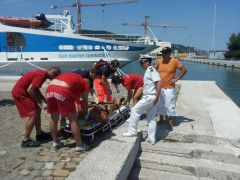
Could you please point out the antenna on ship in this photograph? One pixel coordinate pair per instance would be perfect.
(79, 5)
(146, 25)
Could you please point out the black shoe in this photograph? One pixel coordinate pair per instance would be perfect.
(29, 143)
(44, 136)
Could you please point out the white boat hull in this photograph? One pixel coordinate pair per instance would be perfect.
(23, 50)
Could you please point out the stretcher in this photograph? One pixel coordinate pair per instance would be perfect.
(116, 118)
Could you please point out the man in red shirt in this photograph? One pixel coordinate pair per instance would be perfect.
(130, 82)
(61, 100)
(28, 99)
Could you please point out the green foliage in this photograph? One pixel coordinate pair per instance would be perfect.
(72, 169)
(233, 47)
(30, 168)
(171, 140)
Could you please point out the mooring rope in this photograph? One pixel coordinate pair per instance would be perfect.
(120, 72)
(35, 65)
(7, 64)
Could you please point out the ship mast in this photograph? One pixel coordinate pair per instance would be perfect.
(79, 5)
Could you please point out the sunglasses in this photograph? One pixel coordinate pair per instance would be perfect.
(141, 62)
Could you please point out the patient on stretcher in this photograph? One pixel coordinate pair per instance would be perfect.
(99, 113)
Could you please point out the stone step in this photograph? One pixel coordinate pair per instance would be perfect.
(187, 136)
(188, 166)
(151, 174)
(224, 154)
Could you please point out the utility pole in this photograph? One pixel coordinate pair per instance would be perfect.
(189, 45)
(214, 24)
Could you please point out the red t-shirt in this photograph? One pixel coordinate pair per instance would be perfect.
(132, 81)
(36, 78)
(76, 82)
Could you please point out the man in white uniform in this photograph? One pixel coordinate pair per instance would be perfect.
(151, 91)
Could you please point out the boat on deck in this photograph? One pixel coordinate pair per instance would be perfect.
(20, 22)
(39, 22)
(24, 48)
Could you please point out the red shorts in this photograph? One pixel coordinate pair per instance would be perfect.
(26, 106)
(60, 99)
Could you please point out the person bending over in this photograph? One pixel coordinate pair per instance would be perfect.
(102, 86)
(29, 99)
(61, 100)
(90, 76)
(130, 82)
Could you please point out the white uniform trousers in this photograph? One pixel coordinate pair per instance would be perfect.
(145, 104)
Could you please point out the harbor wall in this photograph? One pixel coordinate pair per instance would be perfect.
(224, 63)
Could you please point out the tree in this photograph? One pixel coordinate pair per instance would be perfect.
(233, 47)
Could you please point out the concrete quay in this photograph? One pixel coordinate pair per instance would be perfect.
(205, 141)
(224, 63)
(204, 144)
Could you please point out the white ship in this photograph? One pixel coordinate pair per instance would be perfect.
(25, 46)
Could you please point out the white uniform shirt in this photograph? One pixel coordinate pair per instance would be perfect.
(150, 77)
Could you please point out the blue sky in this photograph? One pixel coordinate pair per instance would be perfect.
(197, 15)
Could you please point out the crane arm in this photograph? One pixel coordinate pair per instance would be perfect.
(127, 24)
(166, 26)
(106, 3)
(94, 4)
(55, 7)
(154, 25)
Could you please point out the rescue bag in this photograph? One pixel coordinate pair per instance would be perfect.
(101, 62)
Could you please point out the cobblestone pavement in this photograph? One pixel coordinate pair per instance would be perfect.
(33, 163)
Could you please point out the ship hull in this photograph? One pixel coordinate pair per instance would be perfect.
(22, 50)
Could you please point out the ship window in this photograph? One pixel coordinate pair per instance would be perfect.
(66, 47)
(12, 59)
(84, 47)
(97, 47)
(15, 41)
(125, 48)
(44, 58)
(108, 47)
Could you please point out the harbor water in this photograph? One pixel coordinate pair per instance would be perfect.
(227, 78)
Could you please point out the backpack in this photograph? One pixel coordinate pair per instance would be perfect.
(101, 62)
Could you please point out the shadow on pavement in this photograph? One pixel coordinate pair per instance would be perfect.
(162, 129)
(6, 102)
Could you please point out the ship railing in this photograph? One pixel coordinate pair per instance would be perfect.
(133, 38)
(12, 48)
(58, 25)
